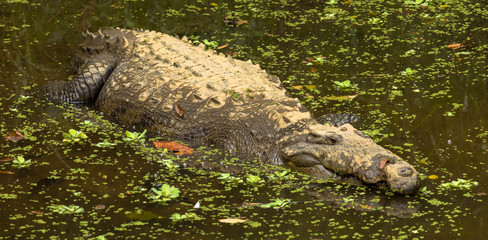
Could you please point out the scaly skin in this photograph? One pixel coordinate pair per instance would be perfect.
(141, 78)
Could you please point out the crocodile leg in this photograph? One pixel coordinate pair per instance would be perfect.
(87, 84)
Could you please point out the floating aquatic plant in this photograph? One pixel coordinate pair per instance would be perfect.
(135, 136)
(164, 193)
(74, 136)
(21, 162)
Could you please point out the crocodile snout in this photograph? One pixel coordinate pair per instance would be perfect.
(402, 177)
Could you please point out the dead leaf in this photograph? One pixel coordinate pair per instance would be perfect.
(179, 148)
(383, 162)
(100, 207)
(179, 109)
(454, 46)
(223, 46)
(37, 212)
(366, 206)
(458, 45)
(481, 194)
(433, 177)
(230, 21)
(299, 87)
(310, 87)
(6, 159)
(250, 204)
(241, 22)
(232, 220)
(234, 21)
(6, 172)
(313, 69)
(309, 60)
(14, 136)
(339, 98)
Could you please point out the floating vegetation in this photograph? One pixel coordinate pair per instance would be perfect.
(164, 193)
(460, 184)
(105, 143)
(226, 177)
(135, 136)
(74, 136)
(63, 209)
(20, 162)
(185, 217)
(345, 85)
(254, 179)
(277, 203)
(208, 45)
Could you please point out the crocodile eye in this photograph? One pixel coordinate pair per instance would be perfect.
(329, 139)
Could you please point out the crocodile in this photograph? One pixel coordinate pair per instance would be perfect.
(168, 85)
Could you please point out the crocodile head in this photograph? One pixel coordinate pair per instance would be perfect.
(327, 151)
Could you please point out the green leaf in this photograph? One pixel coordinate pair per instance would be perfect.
(72, 132)
(129, 134)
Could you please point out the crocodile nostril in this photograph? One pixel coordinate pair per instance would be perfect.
(405, 171)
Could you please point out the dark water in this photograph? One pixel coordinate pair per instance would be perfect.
(434, 116)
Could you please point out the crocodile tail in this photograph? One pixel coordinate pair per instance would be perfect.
(55, 92)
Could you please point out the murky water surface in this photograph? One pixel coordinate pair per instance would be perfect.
(415, 95)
